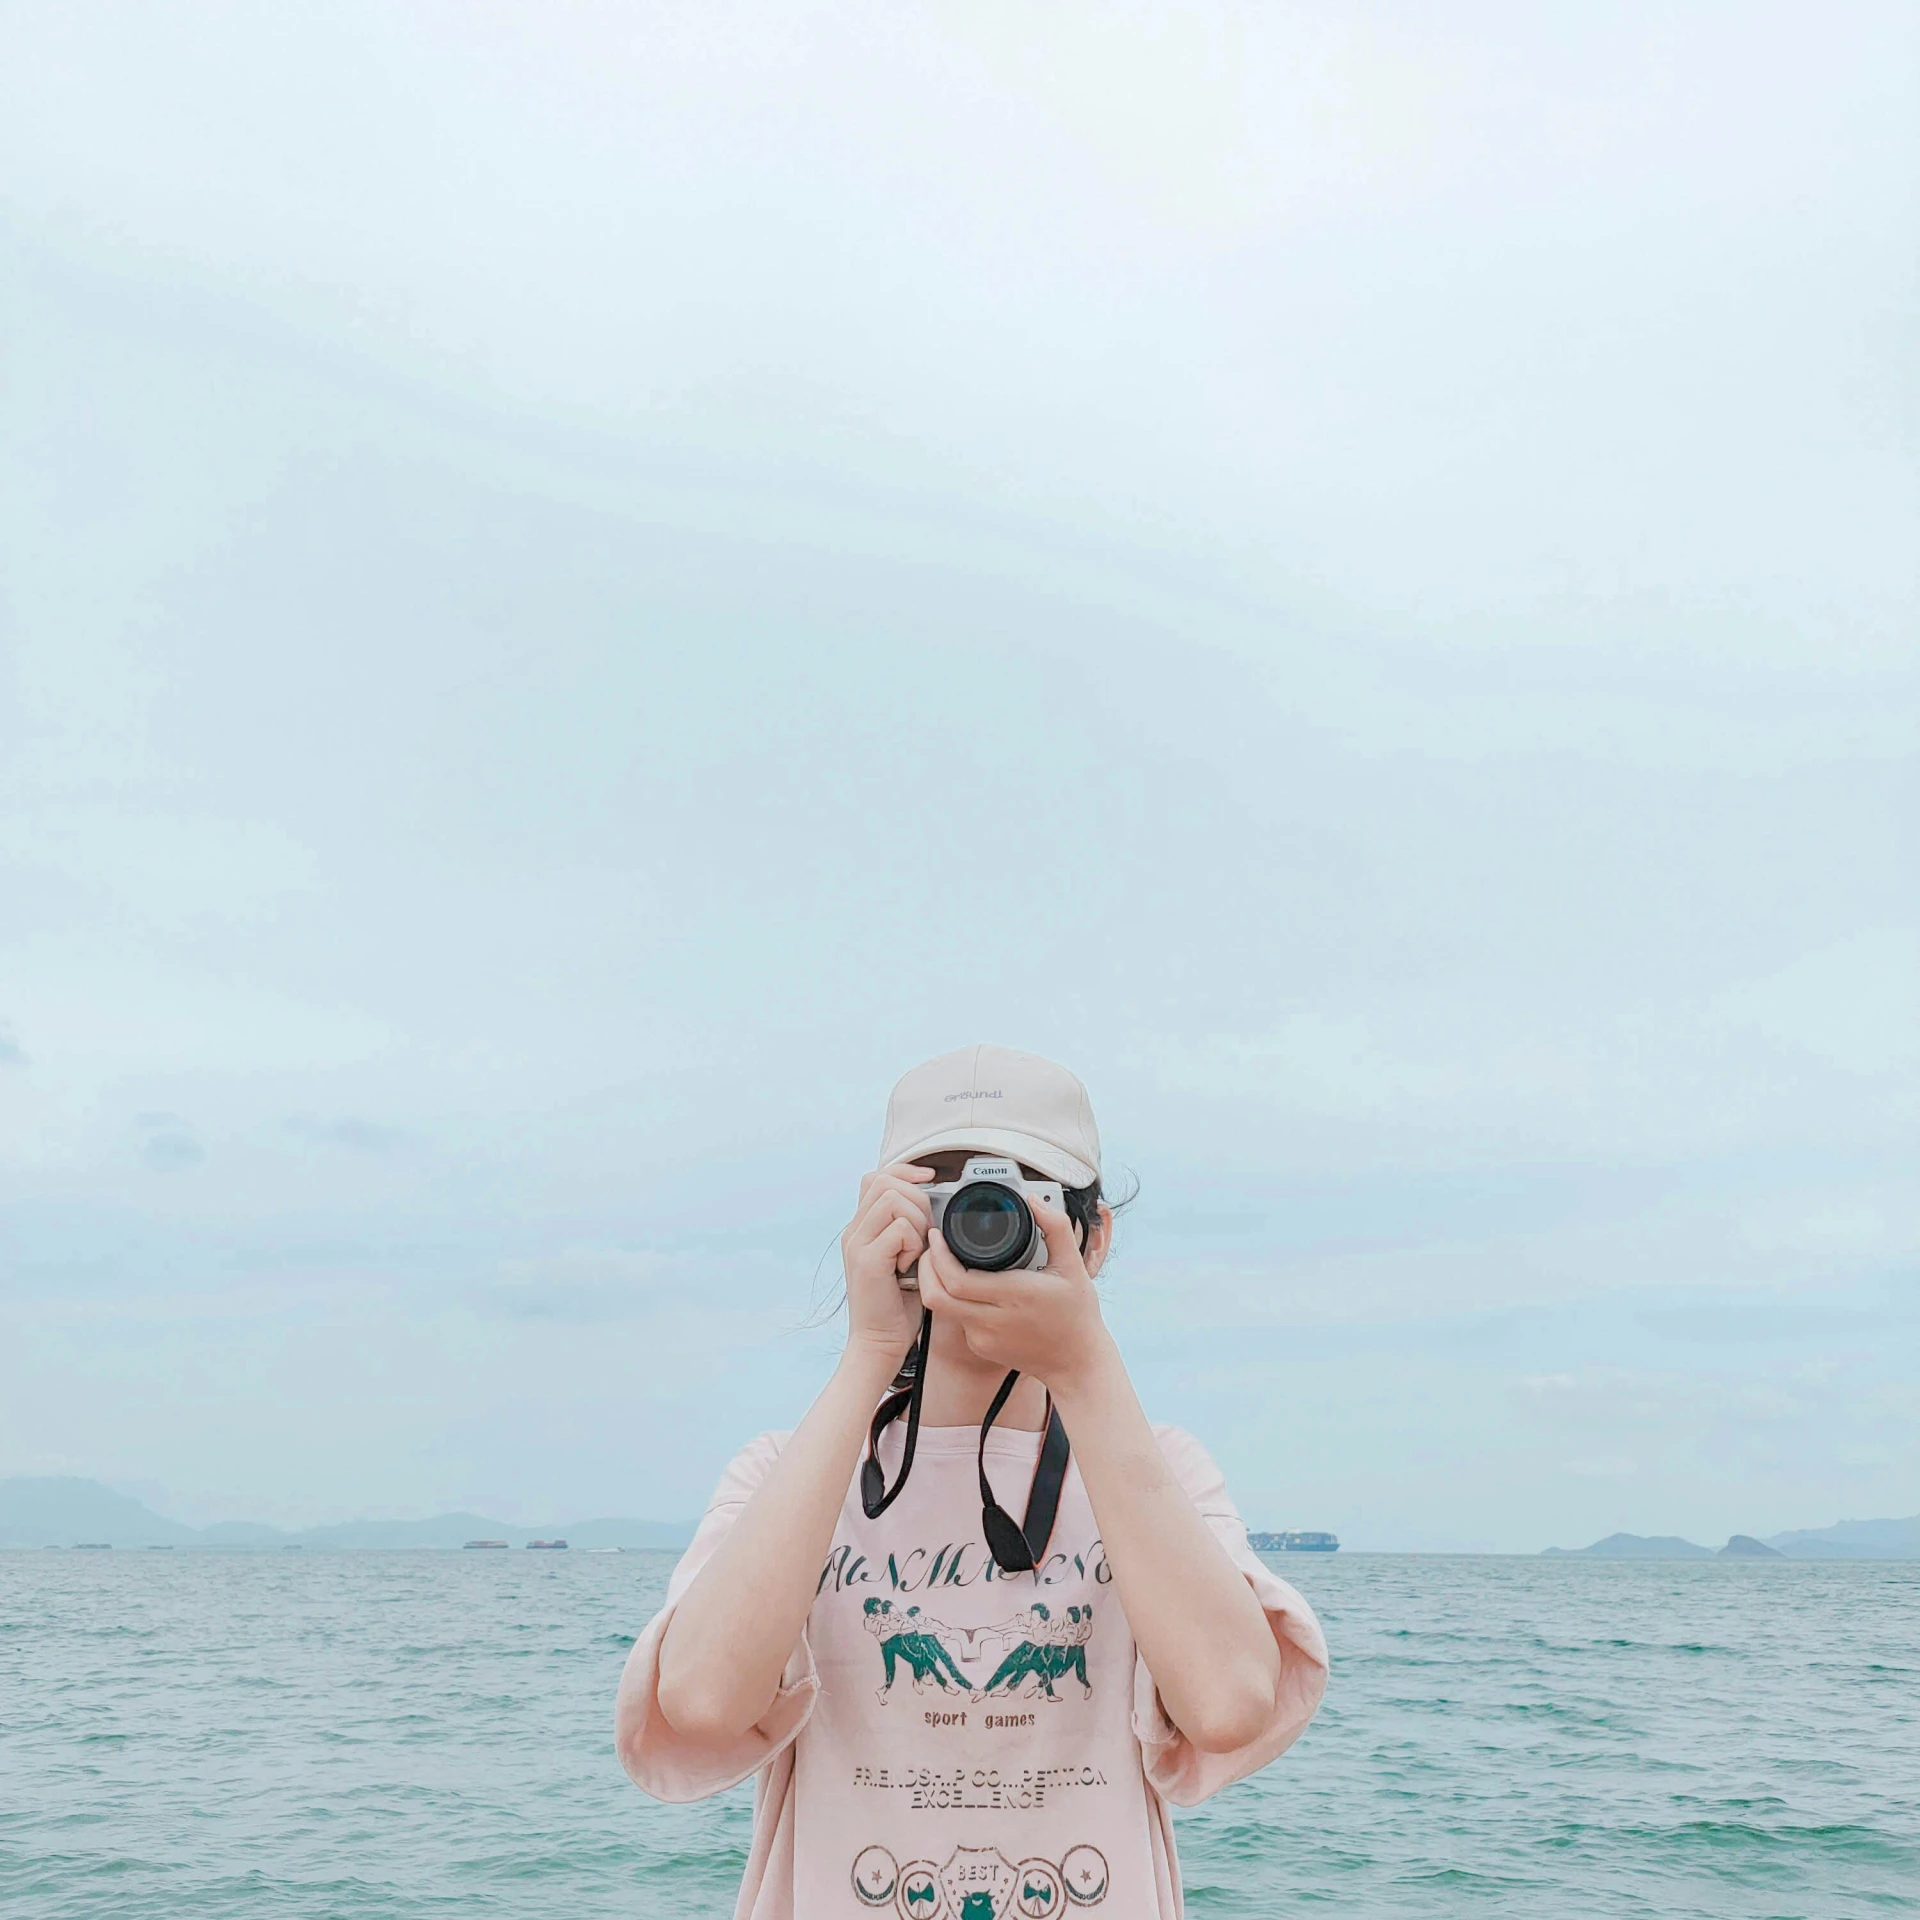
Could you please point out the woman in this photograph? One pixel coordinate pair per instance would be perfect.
(816, 1579)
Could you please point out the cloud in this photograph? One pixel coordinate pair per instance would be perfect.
(582, 1286)
(169, 1145)
(1444, 534)
(358, 1136)
(728, 1295)
(1828, 1412)
(172, 1152)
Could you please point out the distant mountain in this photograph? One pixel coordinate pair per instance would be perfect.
(1638, 1546)
(64, 1512)
(1853, 1540)
(1850, 1540)
(56, 1513)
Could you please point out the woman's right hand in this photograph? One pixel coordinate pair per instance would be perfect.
(887, 1235)
(727, 1645)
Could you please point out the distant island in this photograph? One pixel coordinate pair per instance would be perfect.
(74, 1513)
(1849, 1540)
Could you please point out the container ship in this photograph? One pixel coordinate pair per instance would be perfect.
(1294, 1542)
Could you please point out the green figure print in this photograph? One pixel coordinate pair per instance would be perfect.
(1072, 1652)
(911, 1637)
(925, 1636)
(1029, 1656)
(1048, 1650)
(977, 1906)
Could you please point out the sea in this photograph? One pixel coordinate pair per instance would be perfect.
(390, 1736)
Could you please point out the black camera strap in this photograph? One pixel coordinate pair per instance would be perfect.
(875, 1495)
(1017, 1547)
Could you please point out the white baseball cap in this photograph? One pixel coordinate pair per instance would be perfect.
(993, 1100)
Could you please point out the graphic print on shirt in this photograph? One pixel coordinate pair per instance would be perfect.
(1041, 1648)
(1045, 1650)
(920, 1894)
(981, 1883)
(907, 1635)
(874, 1877)
(1038, 1891)
(978, 1883)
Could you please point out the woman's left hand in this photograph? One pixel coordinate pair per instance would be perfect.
(1046, 1324)
(1199, 1627)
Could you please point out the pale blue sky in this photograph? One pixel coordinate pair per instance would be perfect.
(584, 585)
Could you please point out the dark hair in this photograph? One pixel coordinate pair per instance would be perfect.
(1082, 1206)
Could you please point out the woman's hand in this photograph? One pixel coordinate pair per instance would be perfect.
(726, 1647)
(1046, 1324)
(887, 1234)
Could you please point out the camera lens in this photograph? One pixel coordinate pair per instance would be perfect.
(988, 1227)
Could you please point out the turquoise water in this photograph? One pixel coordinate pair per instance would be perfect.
(393, 1734)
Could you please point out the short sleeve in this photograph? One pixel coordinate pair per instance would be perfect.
(1175, 1767)
(661, 1760)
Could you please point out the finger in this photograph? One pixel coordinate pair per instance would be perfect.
(879, 1188)
(997, 1292)
(915, 1196)
(938, 1297)
(865, 1227)
(901, 1242)
(903, 1176)
(874, 1185)
(908, 1240)
(1063, 1250)
(933, 1296)
(961, 1282)
(947, 1271)
(887, 1207)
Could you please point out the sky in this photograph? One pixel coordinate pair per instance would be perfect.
(582, 585)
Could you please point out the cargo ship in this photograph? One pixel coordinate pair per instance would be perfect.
(551, 1546)
(1294, 1542)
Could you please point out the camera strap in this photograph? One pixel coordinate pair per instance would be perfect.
(875, 1495)
(1019, 1549)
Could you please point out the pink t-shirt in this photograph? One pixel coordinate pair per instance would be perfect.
(951, 1742)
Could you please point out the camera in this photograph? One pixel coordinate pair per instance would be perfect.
(985, 1216)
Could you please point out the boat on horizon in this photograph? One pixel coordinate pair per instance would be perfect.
(550, 1546)
(471, 1544)
(1294, 1542)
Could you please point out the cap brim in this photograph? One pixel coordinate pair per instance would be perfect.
(1051, 1161)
